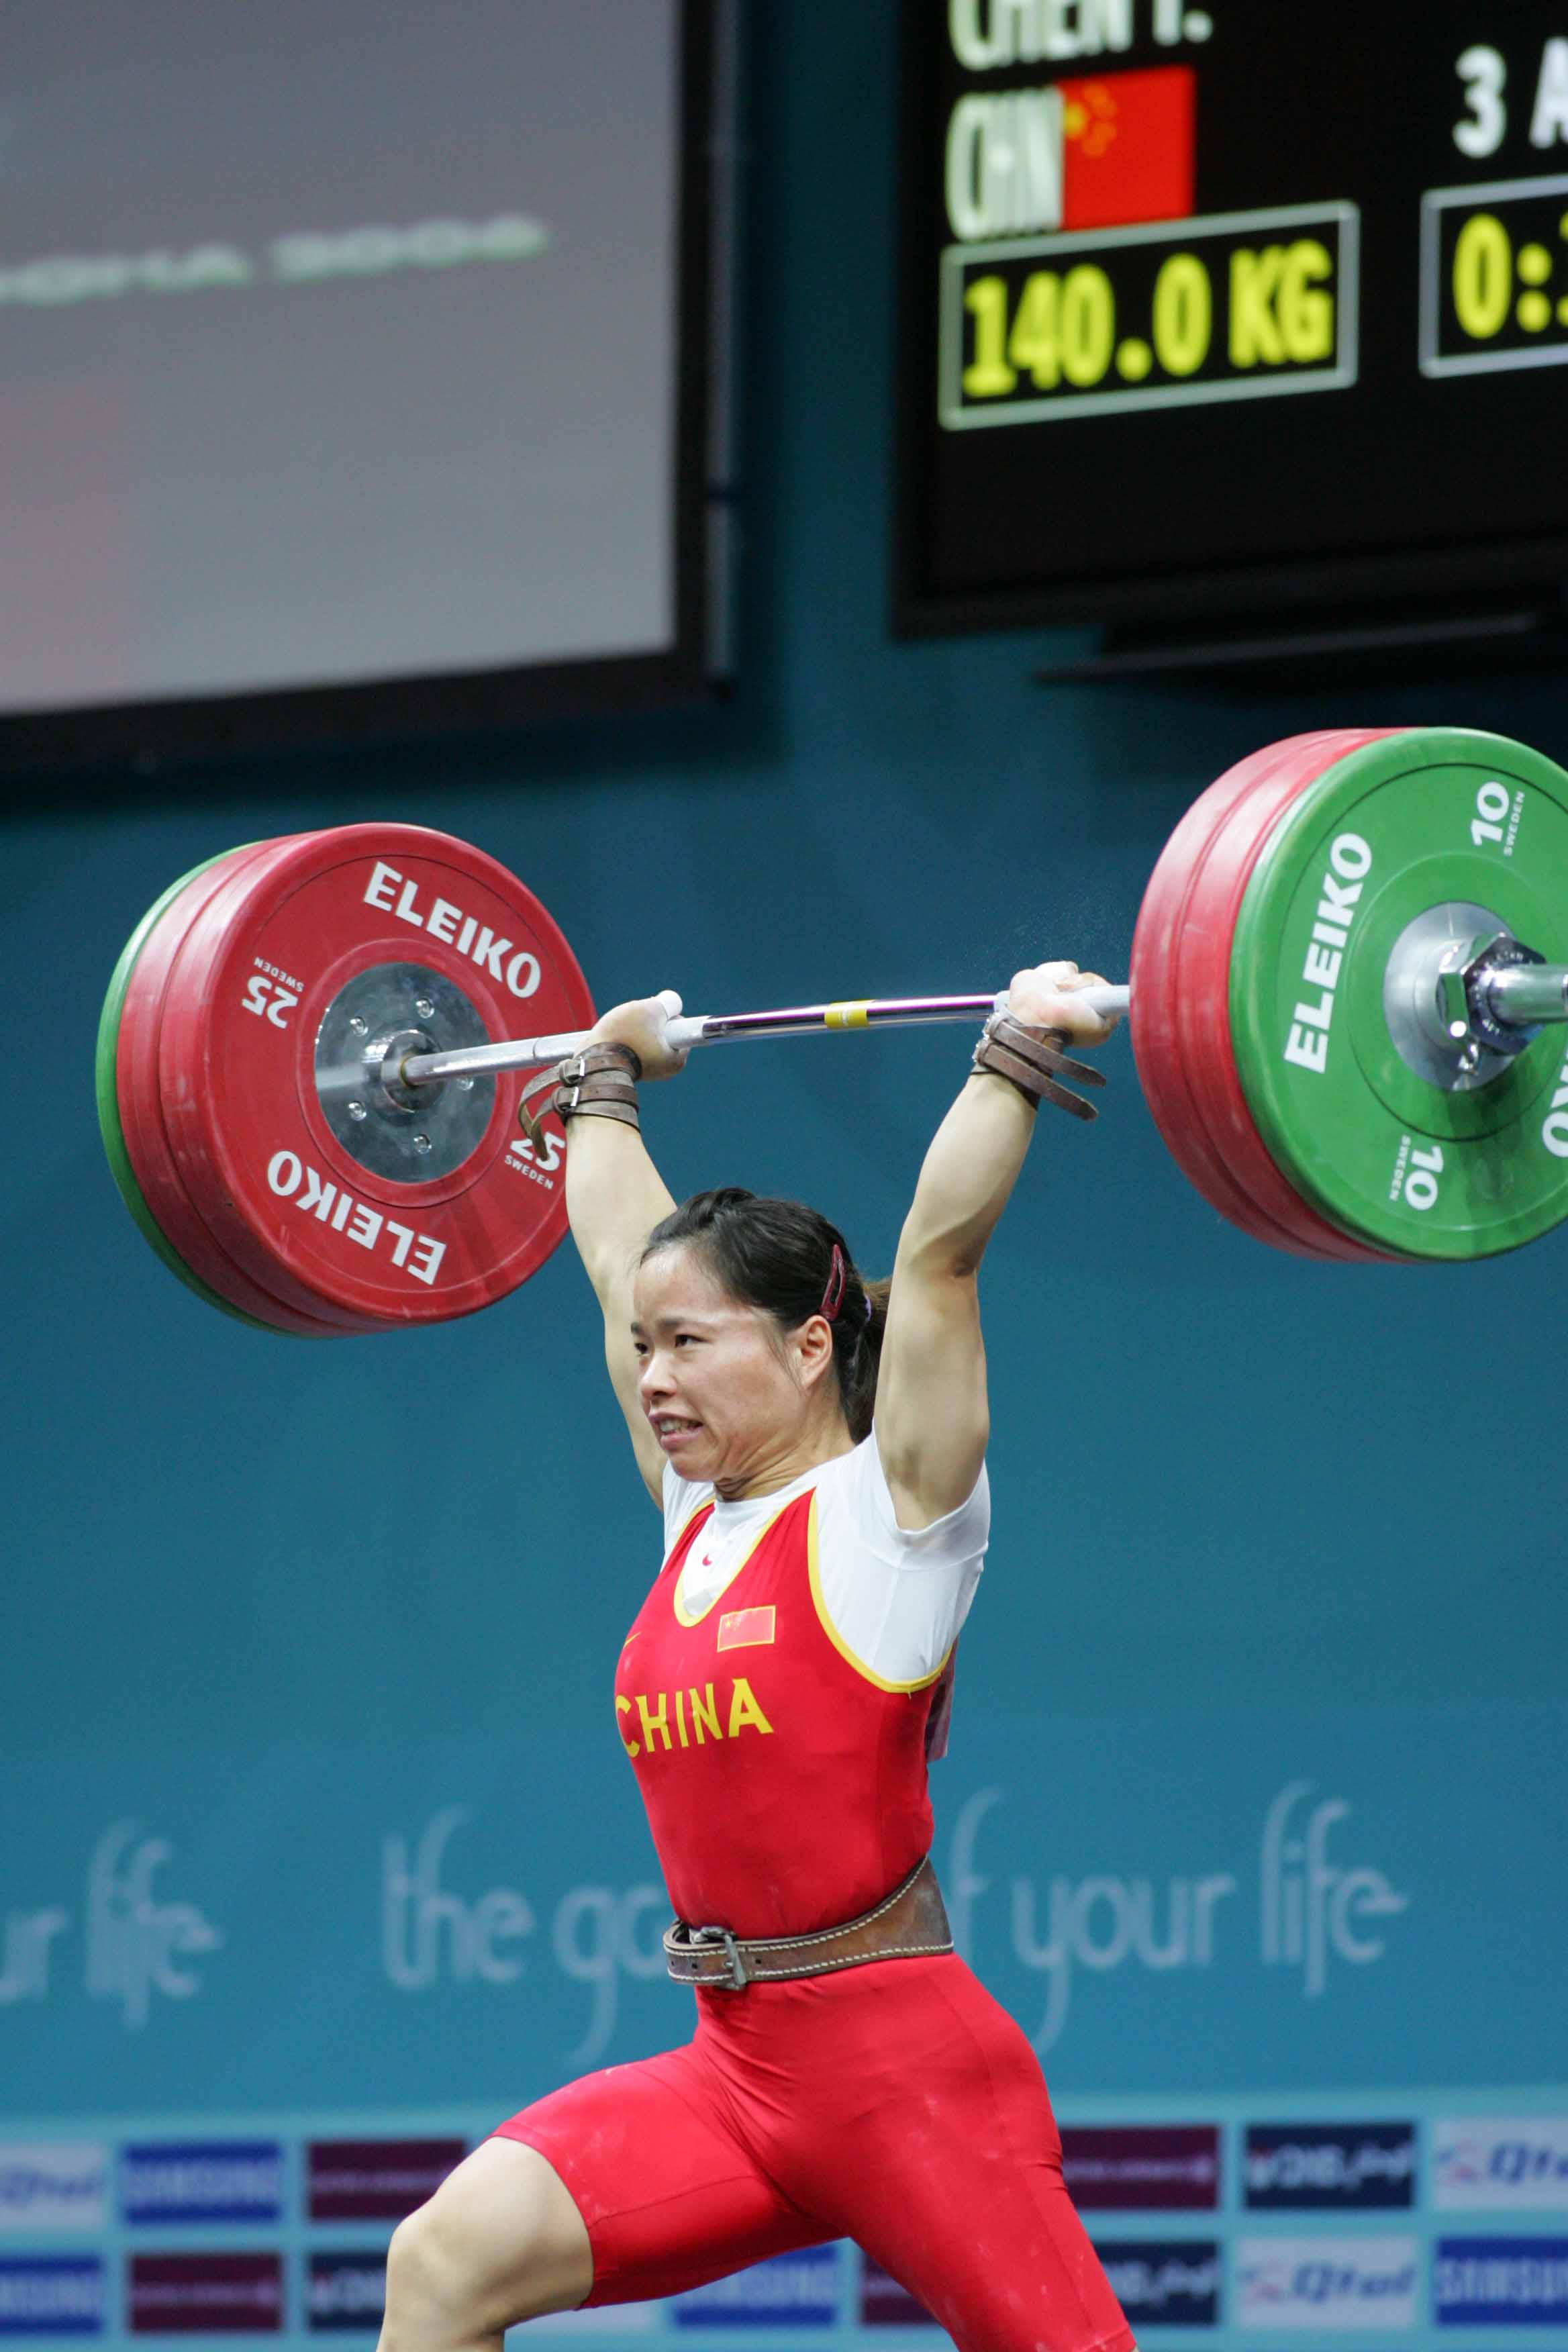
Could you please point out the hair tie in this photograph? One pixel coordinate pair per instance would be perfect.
(867, 1307)
(833, 1297)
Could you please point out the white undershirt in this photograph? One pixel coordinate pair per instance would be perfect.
(897, 1596)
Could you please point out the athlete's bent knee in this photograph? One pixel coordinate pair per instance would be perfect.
(429, 2302)
(500, 2242)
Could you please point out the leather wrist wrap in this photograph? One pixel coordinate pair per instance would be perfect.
(1034, 1063)
(599, 1082)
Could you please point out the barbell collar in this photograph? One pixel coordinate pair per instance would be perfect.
(1110, 1002)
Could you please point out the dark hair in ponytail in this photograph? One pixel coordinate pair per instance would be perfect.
(778, 1256)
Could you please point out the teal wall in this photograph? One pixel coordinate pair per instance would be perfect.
(1257, 1523)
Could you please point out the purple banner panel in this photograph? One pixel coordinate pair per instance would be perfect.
(207, 2295)
(1142, 2168)
(375, 2179)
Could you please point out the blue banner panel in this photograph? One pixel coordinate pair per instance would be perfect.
(215, 2180)
(54, 2294)
(1501, 2283)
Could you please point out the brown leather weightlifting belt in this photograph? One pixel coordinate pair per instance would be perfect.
(906, 1924)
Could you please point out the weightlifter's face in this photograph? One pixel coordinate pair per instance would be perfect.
(726, 1402)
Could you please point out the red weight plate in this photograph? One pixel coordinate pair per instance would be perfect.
(300, 1212)
(1182, 1047)
(262, 1276)
(1202, 1021)
(1204, 990)
(283, 1299)
(141, 1117)
(1154, 977)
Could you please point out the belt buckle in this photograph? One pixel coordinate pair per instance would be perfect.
(706, 1938)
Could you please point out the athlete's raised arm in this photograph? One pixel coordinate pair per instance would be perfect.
(932, 1419)
(614, 1197)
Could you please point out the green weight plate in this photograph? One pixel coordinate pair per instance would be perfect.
(1422, 828)
(107, 1091)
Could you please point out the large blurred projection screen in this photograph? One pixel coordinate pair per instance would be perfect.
(338, 343)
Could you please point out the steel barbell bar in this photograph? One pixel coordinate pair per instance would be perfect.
(687, 1029)
(1520, 996)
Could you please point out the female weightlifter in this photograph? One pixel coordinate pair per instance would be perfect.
(819, 1459)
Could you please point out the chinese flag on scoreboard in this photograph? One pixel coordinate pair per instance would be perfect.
(1126, 147)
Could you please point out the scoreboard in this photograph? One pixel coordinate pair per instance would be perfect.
(1209, 312)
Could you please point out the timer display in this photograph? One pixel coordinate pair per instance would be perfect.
(1494, 277)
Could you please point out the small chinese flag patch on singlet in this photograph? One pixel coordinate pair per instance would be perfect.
(746, 1629)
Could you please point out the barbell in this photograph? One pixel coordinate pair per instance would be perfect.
(1346, 972)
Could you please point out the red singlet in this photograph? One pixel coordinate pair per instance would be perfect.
(896, 2104)
(785, 1789)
